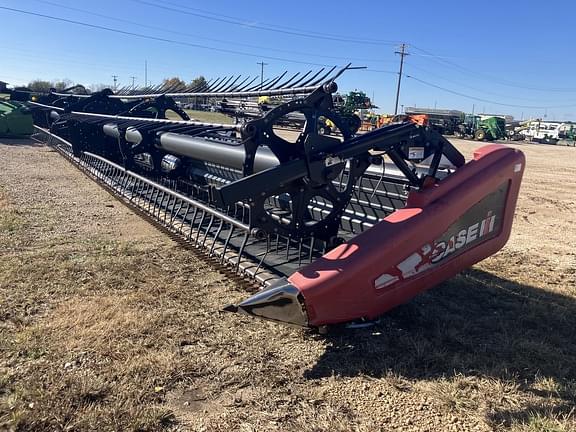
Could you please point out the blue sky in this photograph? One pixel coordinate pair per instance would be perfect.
(462, 54)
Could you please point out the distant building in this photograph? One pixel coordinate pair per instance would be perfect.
(3, 87)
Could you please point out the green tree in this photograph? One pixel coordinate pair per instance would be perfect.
(174, 83)
(44, 86)
(40, 86)
(62, 84)
(199, 83)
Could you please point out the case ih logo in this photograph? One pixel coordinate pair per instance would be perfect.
(432, 254)
(481, 222)
(464, 237)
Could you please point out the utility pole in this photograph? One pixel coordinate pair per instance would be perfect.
(145, 73)
(402, 53)
(115, 77)
(262, 64)
(133, 78)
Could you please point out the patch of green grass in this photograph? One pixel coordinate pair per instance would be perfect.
(205, 116)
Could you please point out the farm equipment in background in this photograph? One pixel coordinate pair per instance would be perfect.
(248, 109)
(515, 130)
(445, 122)
(384, 119)
(419, 119)
(568, 132)
(352, 102)
(333, 229)
(15, 119)
(548, 132)
(352, 107)
(241, 109)
(482, 129)
(369, 122)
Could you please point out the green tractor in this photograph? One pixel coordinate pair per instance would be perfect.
(347, 106)
(568, 131)
(15, 119)
(489, 128)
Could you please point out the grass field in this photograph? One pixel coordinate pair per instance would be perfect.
(105, 324)
(205, 116)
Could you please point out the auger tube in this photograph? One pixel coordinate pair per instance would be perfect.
(230, 155)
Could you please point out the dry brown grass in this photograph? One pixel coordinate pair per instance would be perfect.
(9, 217)
(107, 325)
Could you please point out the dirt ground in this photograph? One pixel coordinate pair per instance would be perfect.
(106, 324)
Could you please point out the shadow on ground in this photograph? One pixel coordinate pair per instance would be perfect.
(475, 324)
(22, 141)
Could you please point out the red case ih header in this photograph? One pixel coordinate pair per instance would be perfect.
(335, 228)
(443, 229)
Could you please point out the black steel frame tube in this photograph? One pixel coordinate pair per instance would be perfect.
(203, 149)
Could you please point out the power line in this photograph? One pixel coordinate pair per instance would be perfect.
(160, 39)
(380, 71)
(275, 26)
(461, 94)
(228, 42)
(20, 57)
(489, 77)
(427, 72)
(278, 29)
(485, 100)
(71, 58)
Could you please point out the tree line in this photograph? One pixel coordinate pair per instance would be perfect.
(44, 86)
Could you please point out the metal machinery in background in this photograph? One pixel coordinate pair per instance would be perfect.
(444, 121)
(15, 119)
(333, 229)
(482, 128)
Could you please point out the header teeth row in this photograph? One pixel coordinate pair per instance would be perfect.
(231, 86)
